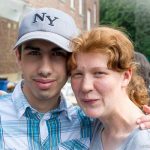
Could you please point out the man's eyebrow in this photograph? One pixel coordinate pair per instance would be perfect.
(28, 47)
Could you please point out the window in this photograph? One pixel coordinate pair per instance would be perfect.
(80, 7)
(9, 25)
(88, 19)
(95, 13)
(14, 26)
(72, 4)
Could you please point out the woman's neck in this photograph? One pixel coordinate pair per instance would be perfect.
(122, 118)
(119, 124)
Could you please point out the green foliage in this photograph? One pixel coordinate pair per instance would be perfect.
(133, 15)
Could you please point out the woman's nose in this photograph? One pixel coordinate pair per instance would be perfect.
(87, 84)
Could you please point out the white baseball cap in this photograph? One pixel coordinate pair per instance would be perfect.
(48, 24)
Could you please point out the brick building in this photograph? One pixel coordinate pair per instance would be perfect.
(85, 13)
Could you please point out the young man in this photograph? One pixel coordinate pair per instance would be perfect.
(36, 116)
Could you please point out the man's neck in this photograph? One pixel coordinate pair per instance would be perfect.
(42, 104)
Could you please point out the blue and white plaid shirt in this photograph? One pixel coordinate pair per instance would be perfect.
(23, 128)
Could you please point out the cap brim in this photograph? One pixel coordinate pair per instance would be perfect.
(48, 36)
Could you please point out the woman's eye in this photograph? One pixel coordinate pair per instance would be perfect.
(99, 74)
(76, 75)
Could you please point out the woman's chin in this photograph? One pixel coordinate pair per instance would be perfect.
(92, 113)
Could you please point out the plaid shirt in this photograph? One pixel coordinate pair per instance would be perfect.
(22, 127)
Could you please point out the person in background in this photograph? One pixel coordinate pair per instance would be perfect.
(10, 87)
(2, 93)
(36, 116)
(143, 68)
(107, 87)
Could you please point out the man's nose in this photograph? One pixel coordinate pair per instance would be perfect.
(46, 66)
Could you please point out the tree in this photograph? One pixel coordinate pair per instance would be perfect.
(130, 15)
(142, 21)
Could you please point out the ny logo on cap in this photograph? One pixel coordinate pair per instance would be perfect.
(42, 17)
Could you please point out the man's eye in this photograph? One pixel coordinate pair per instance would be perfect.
(34, 53)
(59, 53)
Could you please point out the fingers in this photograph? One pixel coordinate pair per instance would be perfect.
(145, 125)
(146, 109)
(144, 122)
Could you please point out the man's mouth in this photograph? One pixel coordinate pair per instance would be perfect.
(44, 84)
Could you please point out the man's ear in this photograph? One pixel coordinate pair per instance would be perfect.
(18, 57)
(127, 75)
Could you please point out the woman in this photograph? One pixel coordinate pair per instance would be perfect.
(106, 86)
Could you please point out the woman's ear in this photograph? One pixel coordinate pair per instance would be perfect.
(127, 75)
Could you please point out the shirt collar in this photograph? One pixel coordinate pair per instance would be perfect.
(21, 103)
(19, 100)
(64, 107)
